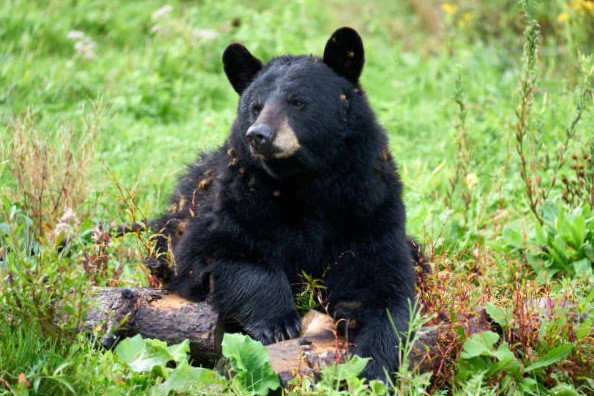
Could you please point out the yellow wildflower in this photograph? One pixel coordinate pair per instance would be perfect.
(465, 19)
(563, 17)
(450, 8)
(583, 6)
(471, 180)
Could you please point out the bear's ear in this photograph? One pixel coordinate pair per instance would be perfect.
(240, 66)
(344, 54)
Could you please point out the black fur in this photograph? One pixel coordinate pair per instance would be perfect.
(244, 225)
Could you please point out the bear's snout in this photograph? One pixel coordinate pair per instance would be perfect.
(260, 137)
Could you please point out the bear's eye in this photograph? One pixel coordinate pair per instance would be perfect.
(296, 102)
(256, 108)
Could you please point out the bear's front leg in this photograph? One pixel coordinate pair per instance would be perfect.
(368, 294)
(258, 297)
(379, 340)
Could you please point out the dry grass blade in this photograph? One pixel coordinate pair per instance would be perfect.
(49, 167)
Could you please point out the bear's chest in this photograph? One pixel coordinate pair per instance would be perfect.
(296, 240)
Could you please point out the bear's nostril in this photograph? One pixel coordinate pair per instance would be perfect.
(256, 138)
(259, 135)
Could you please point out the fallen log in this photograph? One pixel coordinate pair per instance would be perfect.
(156, 313)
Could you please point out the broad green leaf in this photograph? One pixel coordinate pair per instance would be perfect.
(553, 356)
(583, 267)
(243, 352)
(503, 354)
(249, 360)
(258, 382)
(506, 361)
(344, 371)
(354, 366)
(501, 316)
(378, 387)
(129, 348)
(179, 352)
(480, 344)
(513, 237)
(549, 213)
(185, 378)
(142, 355)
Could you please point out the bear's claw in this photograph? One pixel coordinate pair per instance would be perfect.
(281, 330)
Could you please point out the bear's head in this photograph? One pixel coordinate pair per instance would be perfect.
(295, 113)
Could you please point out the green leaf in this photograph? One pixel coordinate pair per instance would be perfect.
(503, 354)
(185, 378)
(353, 367)
(480, 344)
(141, 355)
(243, 352)
(513, 238)
(346, 371)
(578, 230)
(563, 389)
(528, 385)
(378, 387)
(129, 348)
(179, 352)
(541, 238)
(506, 361)
(553, 356)
(560, 248)
(589, 251)
(258, 382)
(583, 267)
(249, 360)
(583, 329)
(549, 213)
(501, 316)
(469, 368)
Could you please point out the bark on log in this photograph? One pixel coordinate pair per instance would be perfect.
(155, 313)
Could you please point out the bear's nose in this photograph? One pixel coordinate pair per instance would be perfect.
(259, 137)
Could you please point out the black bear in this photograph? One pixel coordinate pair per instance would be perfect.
(305, 183)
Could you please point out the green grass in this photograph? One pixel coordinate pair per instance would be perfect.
(106, 134)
